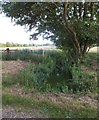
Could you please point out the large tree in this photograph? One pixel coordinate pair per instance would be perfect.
(71, 26)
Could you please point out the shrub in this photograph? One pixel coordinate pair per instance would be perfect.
(55, 74)
(82, 82)
(41, 73)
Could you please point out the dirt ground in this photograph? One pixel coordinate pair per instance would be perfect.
(10, 112)
(13, 67)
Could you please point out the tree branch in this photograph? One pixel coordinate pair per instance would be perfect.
(71, 31)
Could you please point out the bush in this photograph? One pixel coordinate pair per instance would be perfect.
(41, 72)
(91, 59)
(57, 74)
(82, 82)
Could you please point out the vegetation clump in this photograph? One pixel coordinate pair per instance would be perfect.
(54, 73)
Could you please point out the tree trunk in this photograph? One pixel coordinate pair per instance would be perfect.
(92, 10)
(85, 10)
(80, 9)
(74, 39)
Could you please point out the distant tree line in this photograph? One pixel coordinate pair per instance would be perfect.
(8, 44)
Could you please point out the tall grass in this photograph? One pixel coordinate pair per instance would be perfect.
(30, 55)
(53, 74)
(25, 55)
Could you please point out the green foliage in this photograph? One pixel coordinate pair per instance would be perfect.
(54, 72)
(8, 81)
(91, 59)
(82, 82)
(71, 26)
(25, 55)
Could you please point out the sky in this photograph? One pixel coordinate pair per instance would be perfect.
(9, 32)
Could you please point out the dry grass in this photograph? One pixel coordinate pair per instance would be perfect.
(61, 100)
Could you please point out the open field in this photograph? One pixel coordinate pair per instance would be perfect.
(94, 49)
(29, 48)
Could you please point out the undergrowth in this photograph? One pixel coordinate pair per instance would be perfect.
(54, 74)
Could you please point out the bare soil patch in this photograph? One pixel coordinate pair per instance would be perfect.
(13, 67)
(10, 112)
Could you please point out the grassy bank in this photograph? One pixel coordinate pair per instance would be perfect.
(71, 108)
